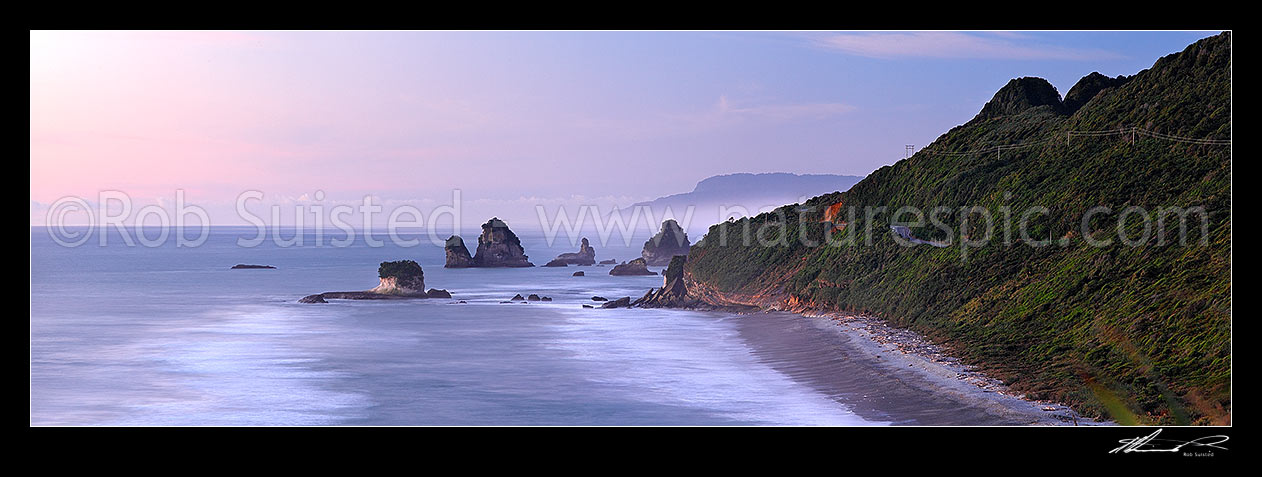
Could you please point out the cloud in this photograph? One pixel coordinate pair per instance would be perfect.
(783, 112)
(954, 45)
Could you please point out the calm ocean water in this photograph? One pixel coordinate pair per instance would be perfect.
(132, 335)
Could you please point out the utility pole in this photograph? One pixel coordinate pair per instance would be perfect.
(909, 148)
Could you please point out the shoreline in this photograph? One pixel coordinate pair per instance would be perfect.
(927, 366)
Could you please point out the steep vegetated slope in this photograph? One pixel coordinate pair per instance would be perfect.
(1138, 332)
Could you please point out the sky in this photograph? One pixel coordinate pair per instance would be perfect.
(508, 119)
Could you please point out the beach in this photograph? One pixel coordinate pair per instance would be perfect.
(887, 373)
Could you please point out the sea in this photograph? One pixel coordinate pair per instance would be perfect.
(129, 334)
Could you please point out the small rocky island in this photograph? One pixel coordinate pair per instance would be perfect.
(243, 266)
(634, 267)
(399, 279)
(497, 247)
(585, 256)
(669, 242)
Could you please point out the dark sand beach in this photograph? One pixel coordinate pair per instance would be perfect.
(888, 374)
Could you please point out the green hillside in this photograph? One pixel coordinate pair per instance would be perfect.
(1138, 333)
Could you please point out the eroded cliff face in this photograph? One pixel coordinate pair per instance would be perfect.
(673, 293)
(678, 291)
(397, 286)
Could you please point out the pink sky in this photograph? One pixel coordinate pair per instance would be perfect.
(508, 117)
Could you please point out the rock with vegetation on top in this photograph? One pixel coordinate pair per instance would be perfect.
(670, 241)
(398, 279)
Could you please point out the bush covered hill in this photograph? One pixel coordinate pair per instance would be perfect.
(1138, 332)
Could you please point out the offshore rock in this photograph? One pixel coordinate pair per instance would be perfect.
(670, 241)
(499, 247)
(634, 267)
(317, 298)
(624, 302)
(398, 280)
(457, 253)
(586, 255)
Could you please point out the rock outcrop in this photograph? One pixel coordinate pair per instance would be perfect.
(668, 242)
(673, 293)
(403, 277)
(578, 274)
(634, 267)
(497, 247)
(624, 302)
(317, 298)
(457, 254)
(1088, 87)
(556, 262)
(608, 262)
(586, 255)
(1021, 94)
(398, 280)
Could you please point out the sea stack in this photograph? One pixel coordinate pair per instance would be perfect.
(457, 253)
(497, 247)
(669, 242)
(586, 255)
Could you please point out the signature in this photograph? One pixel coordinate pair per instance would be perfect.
(1150, 443)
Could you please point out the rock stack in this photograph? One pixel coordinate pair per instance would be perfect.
(497, 247)
(669, 242)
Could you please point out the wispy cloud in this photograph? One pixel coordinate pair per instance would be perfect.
(783, 112)
(955, 45)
